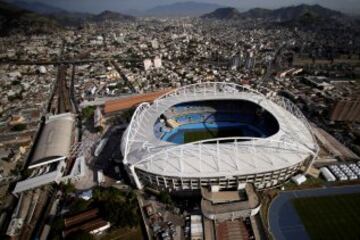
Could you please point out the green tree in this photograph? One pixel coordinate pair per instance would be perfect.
(68, 187)
(15, 82)
(165, 197)
(18, 127)
(26, 173)
(99, 129)
(117, 207)
(80, 235)
(56, 229)
(79, 205)
(88, 112)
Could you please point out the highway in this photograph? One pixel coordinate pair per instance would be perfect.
(68, 62)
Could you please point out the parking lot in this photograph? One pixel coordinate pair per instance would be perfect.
(110, 155)
(162, 221)
(346, 171)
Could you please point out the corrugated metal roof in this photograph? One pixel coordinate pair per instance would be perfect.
(56, 138)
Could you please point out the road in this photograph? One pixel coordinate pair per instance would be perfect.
(111, 154)
(283, 220)
(123, 76)
(140, 200)
(270, 68)
(75, 103)
(67, 62)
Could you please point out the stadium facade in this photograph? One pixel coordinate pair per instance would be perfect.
(216, 134)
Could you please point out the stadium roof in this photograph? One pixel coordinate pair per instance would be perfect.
(292, 144)
(55, 140)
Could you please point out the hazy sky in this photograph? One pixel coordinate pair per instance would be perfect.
(96, 6)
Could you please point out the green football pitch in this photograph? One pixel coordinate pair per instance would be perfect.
(203, 134)
(330, 217)
(194, 136)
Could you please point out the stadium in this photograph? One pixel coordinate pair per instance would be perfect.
(216, 134)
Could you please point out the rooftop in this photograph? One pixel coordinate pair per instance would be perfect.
(230, 201)
(292, 144)
(55, 140)
(129, 102)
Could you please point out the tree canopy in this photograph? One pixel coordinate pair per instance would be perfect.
(119, 208)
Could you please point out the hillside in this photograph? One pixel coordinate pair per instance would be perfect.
(76, 18)
(182, 9)
(223, 14)
(112, 16)
(37, 7)
(256, 13)
(17, 20)
(298, 14)
(39, 18)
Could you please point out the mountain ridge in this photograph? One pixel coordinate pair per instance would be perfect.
(37, 7)
(189, 8)
(15, 20)
(36, 17)
(113, 16)
(282, 14)
(227, 13)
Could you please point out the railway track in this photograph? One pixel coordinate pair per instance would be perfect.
(63, 102)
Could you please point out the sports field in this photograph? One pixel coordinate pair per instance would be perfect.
(203, 134)
(330, 217)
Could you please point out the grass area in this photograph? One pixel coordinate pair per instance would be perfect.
(203, 134)
(310, 183)
(123, 234)
(330, 217)
(194, 136)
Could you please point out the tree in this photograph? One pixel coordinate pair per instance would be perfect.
(165, 197)
(26, 173)
(99, 129)
(56, 229)
(15, 82)
(79, 205)
(88, 112)
(17, 170)
(19, 127)
(80, 235)
(68, 187)
(117, 207)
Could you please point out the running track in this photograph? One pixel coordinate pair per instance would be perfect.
(284, 222)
